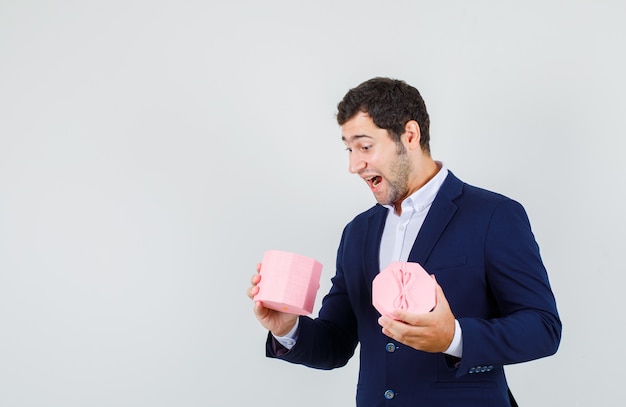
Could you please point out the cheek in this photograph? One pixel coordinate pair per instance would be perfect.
(383, 165)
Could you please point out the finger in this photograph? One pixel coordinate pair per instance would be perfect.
(255, 279)
(396, 329)
(404, 316)
(386, 324)
(258, 267)
(383, 321)
(252, 291)
(415, 320)
(259, 310)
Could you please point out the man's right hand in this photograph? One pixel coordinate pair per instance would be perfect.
(278, 323)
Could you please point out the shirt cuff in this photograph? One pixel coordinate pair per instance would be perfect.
(456, 346)
(289, 340)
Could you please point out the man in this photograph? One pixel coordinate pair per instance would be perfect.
(494, 304)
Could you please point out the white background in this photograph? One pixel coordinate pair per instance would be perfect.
(151, 151)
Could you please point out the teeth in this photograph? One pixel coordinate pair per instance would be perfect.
(374, 180)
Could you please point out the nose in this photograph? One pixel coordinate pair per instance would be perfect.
(357, 163)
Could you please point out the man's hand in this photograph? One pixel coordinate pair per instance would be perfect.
(279, 323)
(430, 332)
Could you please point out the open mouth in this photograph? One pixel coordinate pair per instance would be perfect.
(374, 181)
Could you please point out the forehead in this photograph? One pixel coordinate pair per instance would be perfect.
(360, 127)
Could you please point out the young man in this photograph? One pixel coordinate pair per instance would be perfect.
(494, 301)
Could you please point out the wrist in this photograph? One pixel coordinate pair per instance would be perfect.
(286, 330)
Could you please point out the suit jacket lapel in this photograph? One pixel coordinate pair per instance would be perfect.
(371, 256)
(441, 212)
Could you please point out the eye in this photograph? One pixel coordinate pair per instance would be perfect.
(348, 149)
(366, 148)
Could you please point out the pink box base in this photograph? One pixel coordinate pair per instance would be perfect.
(289, 282)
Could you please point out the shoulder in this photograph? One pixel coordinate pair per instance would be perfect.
(462, 192)
(475, 202)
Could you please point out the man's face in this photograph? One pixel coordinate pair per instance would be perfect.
(374, 156)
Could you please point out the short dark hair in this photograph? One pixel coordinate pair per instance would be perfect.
(391, 103)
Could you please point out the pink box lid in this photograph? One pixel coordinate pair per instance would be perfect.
(406, 286)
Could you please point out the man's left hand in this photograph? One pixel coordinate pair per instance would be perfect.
(430, 332)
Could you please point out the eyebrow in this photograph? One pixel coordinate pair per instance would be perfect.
(355, 137)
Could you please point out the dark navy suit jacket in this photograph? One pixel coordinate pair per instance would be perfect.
(480, 247)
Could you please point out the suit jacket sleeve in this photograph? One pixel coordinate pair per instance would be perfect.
(526, 325)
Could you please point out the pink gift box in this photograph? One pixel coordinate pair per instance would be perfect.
(403, 285)
(289, 282)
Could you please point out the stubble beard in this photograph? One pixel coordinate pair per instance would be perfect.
(398, 180)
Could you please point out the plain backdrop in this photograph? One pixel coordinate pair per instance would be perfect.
(151, 151)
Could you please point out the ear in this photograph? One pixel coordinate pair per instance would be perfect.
(412, 135)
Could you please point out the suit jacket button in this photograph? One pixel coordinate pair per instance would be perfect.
(390, 347)
(389, 394)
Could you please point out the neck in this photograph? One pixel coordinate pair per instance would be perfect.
(422, 173)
